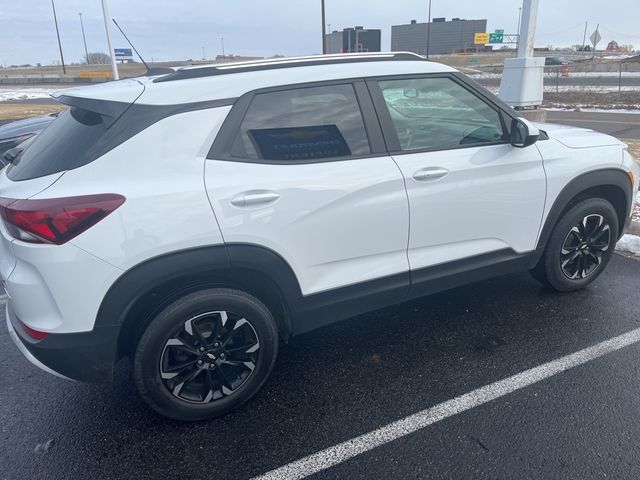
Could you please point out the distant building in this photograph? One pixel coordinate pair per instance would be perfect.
(444, 37)
(613, 46)
(356, 39)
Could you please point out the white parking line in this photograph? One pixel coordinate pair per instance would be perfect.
(3, 299)
(344, 451)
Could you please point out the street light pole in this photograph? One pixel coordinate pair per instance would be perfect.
(107, 26)
(222, 40)
(519, 22)
(522, 82)
(84, 40)
(324, 29)
(428, 29)
(528, 27)
(55, 20)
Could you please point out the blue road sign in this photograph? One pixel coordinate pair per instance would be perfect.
(123, 52)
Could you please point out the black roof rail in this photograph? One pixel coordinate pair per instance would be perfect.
(274, 64)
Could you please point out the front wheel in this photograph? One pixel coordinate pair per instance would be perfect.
(206, 354)
(580, 246)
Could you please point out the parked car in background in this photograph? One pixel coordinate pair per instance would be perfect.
(14, 133)
(557, 61)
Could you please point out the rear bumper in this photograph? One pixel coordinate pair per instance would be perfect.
(86, 357)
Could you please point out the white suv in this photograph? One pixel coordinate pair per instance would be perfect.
(191, 219)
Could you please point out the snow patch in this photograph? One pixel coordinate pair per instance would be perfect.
(591, 88)
(12, 94)
(604, 109)
(636, 211)
(629, 243)
(484, 75)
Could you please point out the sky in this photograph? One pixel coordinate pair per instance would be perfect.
(175, 30)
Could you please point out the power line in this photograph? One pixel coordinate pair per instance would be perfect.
(637, 35)
(547, 34)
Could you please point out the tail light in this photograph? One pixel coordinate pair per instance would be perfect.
(34, 334)
(56, 220)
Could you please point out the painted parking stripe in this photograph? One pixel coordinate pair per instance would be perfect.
(349, 449)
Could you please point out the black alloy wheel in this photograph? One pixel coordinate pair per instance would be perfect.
(209, 356)
(205, 354)
(580, 246)
(584, 247)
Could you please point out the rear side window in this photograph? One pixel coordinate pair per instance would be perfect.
(59, 147)
(304, 124)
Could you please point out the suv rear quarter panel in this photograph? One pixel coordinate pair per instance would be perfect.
(160, 172)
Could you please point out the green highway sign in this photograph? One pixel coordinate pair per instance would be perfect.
(496, 37)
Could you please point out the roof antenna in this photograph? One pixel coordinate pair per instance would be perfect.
(134, 48)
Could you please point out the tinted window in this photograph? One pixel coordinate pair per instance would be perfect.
(59, 146)
(438, 113)
(303, 124)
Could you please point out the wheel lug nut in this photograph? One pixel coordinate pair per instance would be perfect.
(212, 366)
(199, 363)
(201, 349)
(222, 355)
(217, 344)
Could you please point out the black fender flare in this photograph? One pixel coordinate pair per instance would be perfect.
(218, 259)
(236, 262)
(609, 177)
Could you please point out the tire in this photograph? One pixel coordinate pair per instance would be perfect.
(205, 354)
(580, 246)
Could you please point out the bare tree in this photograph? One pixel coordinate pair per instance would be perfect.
(97, 58)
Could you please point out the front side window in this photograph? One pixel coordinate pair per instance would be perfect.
(303, 124)
(439, 114)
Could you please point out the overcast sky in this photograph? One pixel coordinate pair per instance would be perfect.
(170, 29)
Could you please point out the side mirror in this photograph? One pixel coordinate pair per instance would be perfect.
(523, 133)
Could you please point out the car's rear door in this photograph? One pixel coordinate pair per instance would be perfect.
(471, 193)
(303, 171)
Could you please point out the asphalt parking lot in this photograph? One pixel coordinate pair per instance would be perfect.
(352, 378)
(621, 125)
(347, 380)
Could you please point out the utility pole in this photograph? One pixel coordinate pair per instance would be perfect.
(526, 48)
(55, 20)
(84, 39)
(107, 26)
(428, 29)
(203, 57)
(521, 85)
(324, 29)
(584, 37)
(222, 40)
(519, 22)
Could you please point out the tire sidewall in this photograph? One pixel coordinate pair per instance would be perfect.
(151, 345)
(595, 206)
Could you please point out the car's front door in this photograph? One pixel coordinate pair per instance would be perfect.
(303, 171)
(470, 191)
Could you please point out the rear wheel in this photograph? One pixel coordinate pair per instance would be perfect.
(580, 246)
(206, 354)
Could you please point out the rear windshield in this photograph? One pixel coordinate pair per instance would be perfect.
(60, 146)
